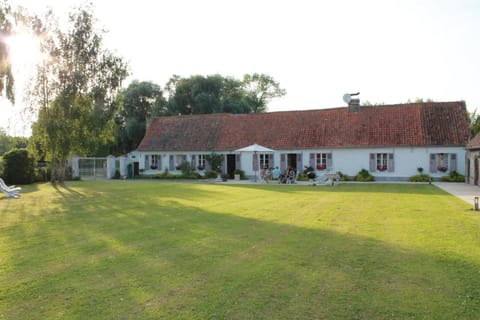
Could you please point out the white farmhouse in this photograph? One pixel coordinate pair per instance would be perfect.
(391, 141)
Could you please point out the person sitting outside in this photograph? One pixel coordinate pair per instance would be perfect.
(276, 173)
(266, 175)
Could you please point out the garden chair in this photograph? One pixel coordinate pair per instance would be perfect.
(9, 191)
(330, 179)
(292, 177)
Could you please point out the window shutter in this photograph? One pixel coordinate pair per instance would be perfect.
(238, 165)
(453, 162)
(312, 160)
(255, 161)
(283, 162)
(391, 165)
(184, 159)
(329, 161)
(159, 161)
(373, 164)
(171, 165)
(222, 165)
(270, 160)
(194, 166)
(299, 162)
(147, 163)
(433, 162)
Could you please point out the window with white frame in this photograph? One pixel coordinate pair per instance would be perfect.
(382, 161)
(321, 161)
(442, 161)
(201, 161)
(179, 159)
(264, 161)
(153, 161)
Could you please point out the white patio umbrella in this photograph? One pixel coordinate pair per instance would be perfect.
(255, 148)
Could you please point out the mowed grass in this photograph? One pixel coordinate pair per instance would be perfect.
(151, 250)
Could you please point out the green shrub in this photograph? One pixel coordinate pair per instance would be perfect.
(302, 177)
(19, 167)
(186, 169)
(211, 174)
(241, 173)
(171, 176)
(1, 167)
(215, 160)
(454, 176)
(364, 176)
(420, 178)
(309, 173)
(344, 177)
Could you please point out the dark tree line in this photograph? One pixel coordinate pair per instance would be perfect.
(184, 96)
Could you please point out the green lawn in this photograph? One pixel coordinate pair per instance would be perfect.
(153, 250)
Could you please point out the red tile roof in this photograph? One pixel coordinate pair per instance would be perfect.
(413, 124)
(474, 143)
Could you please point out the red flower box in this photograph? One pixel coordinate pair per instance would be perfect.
(442, 168)
(382, 168)
(321, 167)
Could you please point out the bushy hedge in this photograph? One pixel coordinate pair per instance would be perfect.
(167, 175)
(364, 176)
(19, 167)
(344, 177)
(454, 176)
(420, 178)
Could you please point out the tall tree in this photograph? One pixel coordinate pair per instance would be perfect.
(6, 76)
(261, 89)
(76, 89)
(474, 121)
(140, 101)
(217, 94)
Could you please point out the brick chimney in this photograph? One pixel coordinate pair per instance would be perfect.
(354, 106)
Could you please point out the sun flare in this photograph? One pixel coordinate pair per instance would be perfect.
(24, 55)
(24, 50)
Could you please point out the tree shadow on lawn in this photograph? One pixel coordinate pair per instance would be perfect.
(182, 262)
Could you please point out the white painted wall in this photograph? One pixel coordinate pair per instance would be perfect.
(348, 160)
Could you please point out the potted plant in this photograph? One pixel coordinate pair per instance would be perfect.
(442, 168)
(153, 167)
(420, 170)
(200, 167)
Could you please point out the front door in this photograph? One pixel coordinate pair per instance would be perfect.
(292, 161)
(231, 165)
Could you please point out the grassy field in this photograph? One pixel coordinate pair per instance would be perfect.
(151, 250)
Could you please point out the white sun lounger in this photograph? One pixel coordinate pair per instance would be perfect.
(9, 191)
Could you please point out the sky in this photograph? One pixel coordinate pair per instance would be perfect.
(390, 51)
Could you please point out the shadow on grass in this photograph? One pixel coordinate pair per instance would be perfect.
(118, 255)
